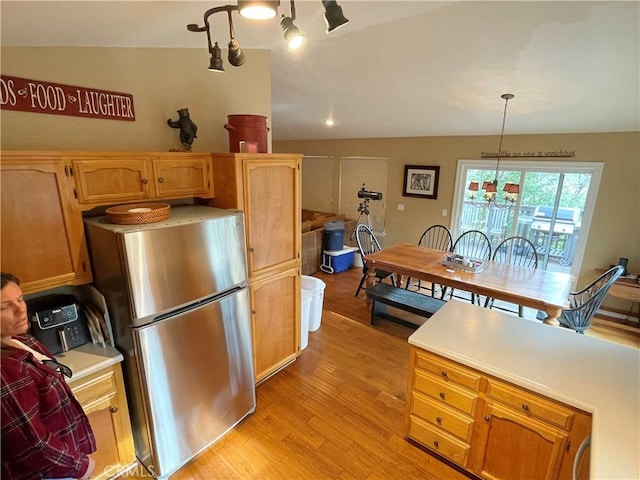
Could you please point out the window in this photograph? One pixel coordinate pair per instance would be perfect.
(317, 183)
(553, 209)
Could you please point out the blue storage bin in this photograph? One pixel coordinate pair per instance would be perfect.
(333, 236)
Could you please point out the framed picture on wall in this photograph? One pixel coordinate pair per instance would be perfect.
(421, 181)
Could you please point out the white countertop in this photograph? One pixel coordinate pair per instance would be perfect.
(597, 376)
(87, 359)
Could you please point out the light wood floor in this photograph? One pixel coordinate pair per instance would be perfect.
(334, 413)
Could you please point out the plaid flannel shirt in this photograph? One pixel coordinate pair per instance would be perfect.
(45, 433)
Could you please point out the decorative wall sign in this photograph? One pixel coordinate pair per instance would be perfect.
(43, 97)
(538, 154)
(421, 181)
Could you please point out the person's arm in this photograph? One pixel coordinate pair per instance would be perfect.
(90, 470)
(25, 439)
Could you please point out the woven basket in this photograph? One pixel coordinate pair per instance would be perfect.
(138, 213)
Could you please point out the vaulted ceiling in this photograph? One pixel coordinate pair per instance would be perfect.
(412, 68)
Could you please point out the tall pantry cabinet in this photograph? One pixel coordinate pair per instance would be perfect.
(267, 188)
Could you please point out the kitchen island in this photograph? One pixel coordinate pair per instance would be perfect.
(481, 366)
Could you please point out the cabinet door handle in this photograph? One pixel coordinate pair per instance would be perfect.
(444, 373)
(145, 181)
(252, 249)
(113, 409)
(442, 395)
(161, 180)
(487, 418)
(439, 420)
(436, 444)
(576, 461)
(525, 407)
(253, 312)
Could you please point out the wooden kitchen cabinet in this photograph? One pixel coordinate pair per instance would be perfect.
(103, 398)
(267, 188)
(443, 399)
(42, 234)
(275, 302)
(511, 444)
(489, 427)
(108, 178)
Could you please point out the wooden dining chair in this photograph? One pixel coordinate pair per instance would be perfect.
(514, 251)
(585, 303)
(437, 237)
(368, 244)
(471, 244)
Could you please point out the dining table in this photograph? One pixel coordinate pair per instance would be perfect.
(535, 288)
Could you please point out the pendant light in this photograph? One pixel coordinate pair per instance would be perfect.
(511, 190)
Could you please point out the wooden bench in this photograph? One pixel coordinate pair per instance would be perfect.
(383, 294)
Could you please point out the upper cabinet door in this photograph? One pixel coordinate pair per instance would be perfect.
(43, 241)
(102, 180)
(183, 177)
(271, 198)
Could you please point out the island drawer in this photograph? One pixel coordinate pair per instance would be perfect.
(437, 440)
(447, 370)
(445, 392)
(530, 404)
(442, 416)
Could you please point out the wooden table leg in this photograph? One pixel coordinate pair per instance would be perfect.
(552, 316)
(370, 282)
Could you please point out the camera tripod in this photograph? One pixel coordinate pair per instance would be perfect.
(363, 209)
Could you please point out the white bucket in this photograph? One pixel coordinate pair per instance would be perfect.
(357, 260)
(316, 287)
(306, 313)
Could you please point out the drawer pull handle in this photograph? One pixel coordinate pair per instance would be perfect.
(439, 420)
(444, 373)
(113, 409)
(436, 444)
(525, 407)
(442, 395)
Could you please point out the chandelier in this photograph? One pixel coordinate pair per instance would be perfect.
(261, 10)
(490, 188)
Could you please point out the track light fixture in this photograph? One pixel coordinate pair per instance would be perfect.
(292, 36)
(258, 10)
(215, 62)
(236, 56)
(333, 15)
(261, 10)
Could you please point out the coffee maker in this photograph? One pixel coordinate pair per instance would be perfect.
(58, 322)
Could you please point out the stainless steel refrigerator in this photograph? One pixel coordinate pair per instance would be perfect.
(179, 306)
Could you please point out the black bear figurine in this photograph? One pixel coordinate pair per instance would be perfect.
(187, 128)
